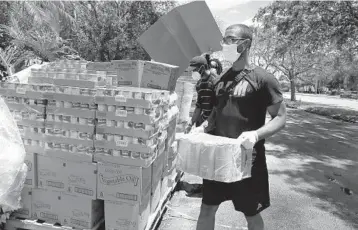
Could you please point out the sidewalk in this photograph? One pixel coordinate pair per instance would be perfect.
(310, 164)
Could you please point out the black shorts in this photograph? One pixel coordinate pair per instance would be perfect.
(249, 196)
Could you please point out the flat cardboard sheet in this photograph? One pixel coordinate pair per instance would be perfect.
(185, 32)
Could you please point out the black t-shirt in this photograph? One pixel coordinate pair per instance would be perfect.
(245, 108)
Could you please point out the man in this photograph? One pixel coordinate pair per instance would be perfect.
(205, 89)
(243, 96)
(200, 67)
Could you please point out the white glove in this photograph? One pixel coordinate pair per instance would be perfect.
(248, 139)
(200, 129)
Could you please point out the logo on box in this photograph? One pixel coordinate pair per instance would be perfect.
(122, 179)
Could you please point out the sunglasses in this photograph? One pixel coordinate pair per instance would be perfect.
(231, 40)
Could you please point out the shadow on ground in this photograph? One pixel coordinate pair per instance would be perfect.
(327, 154)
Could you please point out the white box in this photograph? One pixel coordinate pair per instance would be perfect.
(51, 173)
(81, 179)
(31, 177)
(120, 215)
(213, 157)
(76, 178)
(164, 187)
(45, 205)
(159, 76)
(129, 72)
(79, 212)
(123, 183)
(26, 201)
(157, 173)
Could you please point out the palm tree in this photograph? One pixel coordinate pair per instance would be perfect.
(11, 57)
(35, 28)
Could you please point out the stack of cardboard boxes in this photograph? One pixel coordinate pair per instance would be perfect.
(98, 143)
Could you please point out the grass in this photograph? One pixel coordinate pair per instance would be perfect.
(336, 113)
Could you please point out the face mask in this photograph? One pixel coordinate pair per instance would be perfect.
(233, 52)
(230, 53)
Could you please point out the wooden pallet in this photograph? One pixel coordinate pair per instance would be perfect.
(154, 219)
(24, 224)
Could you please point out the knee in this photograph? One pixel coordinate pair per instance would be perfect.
(255, 222)
(208, 210)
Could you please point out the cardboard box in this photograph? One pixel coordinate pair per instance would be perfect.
(123, 183)
(28, 132)
(84, 113)
(123, 145)
(159, 76)
(126, 216)
(106, 158)
(143, 98)
(157, 173)
(51, 173)
(31, 177)
(164, 187)
(69, 141)
(129, 72)
(76, 178)
(80, 83)
(21, 90)
(122, 115)
(26, 201)
(45, 205)
(39, 109)
(129, 132)
(77, 157)
(69, 97)
(81, 213)
(98, 66)
(183, 33)
(81, 179)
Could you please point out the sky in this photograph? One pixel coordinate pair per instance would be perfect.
(236, 11)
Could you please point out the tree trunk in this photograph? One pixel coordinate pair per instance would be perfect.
(293, 87)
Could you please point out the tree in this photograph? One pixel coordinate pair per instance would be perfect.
(321, 23)
(34, 28)
(108, 30)
(300, 38)
(290, 57)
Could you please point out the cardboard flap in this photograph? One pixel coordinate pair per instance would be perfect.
(185, 32)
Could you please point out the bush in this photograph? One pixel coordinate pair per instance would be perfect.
(335, 113)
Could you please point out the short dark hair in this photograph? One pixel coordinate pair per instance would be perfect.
(244, 31)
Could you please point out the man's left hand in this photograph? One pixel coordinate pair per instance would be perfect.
(248, 139)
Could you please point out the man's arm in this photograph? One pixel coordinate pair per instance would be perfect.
(196, 115)
(278, 121)
(210, 122)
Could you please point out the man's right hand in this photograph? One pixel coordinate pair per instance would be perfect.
(199, 129)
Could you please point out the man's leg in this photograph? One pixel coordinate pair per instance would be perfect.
(255, 222)
(213, 195)
(206, 219)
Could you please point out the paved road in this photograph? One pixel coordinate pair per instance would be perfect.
(309, 164)
(326, 100)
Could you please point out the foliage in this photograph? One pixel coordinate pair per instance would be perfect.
(320, 23)
(309, 41)
(335, 113)
(108, 30)
(95, 30)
